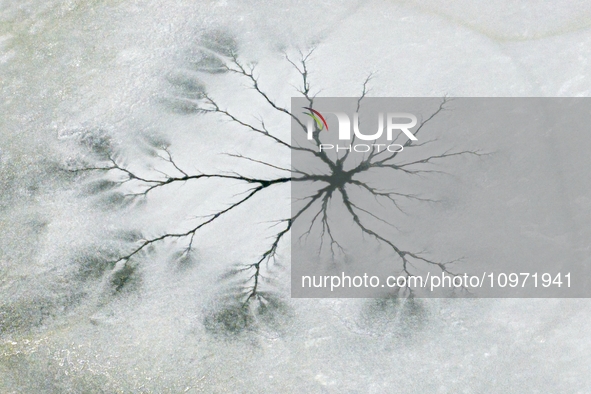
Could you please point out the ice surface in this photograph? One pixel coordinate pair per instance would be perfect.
(70, 69)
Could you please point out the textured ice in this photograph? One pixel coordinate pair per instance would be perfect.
(72, 72)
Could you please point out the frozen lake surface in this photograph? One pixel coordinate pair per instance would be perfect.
(79, 76)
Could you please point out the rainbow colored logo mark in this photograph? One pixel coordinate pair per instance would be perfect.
(316, 115)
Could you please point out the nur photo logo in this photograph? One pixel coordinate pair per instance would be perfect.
(395, 124)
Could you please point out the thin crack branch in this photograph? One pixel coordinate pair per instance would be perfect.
(212, 217)
(364, 92)
(267, 256)
(401, 253)
(238, 156)
(410, 142)
(171, 161)
(216, 108)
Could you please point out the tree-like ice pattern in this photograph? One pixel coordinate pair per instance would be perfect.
(337, 180)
